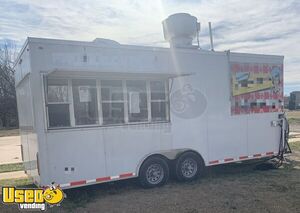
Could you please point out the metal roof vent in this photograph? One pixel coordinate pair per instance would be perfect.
(105, 42)
(180, 29)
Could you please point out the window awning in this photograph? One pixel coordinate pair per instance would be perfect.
(114, 74)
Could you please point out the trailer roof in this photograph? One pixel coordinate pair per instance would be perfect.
(136, 47)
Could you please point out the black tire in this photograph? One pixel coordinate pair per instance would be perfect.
(154, 172)
(193, 162)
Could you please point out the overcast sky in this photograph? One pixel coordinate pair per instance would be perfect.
(254, 26)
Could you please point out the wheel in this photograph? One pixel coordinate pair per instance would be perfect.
(188, 166)
(154, 172)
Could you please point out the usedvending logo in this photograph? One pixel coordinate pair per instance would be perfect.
(32, 198)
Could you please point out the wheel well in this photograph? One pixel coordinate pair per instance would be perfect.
(151, 156)
(168, 159)
(191, 151)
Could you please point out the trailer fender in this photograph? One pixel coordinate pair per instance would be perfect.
(168, 155)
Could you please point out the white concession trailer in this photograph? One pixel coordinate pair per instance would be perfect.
(93, 112)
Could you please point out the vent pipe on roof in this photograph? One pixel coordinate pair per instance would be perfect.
(211, 37)
(180, 29)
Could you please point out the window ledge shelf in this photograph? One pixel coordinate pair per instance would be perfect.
(95, 127)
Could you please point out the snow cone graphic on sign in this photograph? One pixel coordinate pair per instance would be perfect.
(188, 102)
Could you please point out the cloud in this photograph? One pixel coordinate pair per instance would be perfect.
(255, 26)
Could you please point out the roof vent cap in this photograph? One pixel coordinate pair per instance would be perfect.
(105, 42)
(180, 29)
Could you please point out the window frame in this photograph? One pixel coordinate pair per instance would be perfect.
(84, 125)
(47, 103)
(125, 101)
(166, 101)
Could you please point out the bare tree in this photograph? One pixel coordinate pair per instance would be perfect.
(8, 103)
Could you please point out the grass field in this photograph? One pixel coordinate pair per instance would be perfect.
(293, 114)
(11, 167)
(17, 182)
(9, 132)
(294, 120)
(293, 117)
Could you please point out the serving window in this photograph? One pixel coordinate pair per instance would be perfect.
(91, 102)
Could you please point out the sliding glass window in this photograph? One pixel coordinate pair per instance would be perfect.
(112, 100)
(85, 102)
(159, 101)
(137, 101)
(58, 103)
(90, 102)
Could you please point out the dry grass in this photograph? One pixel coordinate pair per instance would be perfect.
(9, 132)
(293, 117)
(16, 182)
(294, 120)
(293, 114)
(11, 167)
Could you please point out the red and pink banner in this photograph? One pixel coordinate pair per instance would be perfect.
(256, 88)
